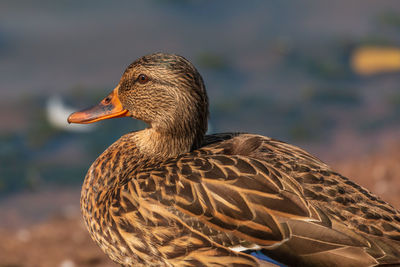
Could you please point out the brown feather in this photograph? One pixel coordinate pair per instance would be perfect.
(170, 196)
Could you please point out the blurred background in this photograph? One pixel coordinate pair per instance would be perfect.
(324, 75)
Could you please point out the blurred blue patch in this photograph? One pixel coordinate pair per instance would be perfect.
(259, 255)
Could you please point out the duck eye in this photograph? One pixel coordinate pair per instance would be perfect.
(143, 78)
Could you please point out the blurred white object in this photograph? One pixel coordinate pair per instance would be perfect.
(57, 114)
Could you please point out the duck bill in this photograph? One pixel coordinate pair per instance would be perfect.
(109, 107)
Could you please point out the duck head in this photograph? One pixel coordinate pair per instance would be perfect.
(163, 90)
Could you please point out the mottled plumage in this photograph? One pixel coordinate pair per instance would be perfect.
(170, 196)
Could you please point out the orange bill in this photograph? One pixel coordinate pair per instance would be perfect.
(109, 107)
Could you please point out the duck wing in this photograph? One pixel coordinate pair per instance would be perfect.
(245, 193)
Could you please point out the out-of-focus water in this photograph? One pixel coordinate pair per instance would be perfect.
(276, 68)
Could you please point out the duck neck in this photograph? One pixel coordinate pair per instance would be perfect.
(179, 131)
(165, 144)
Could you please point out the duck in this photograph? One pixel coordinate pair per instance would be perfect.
(171, 195)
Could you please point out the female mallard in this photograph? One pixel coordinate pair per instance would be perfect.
(170, 196)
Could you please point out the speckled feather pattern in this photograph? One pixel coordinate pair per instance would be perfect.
(245, 190)
(170, 196)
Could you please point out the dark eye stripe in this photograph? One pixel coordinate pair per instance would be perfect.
(136, 80)
(156, 81)
(128, 84)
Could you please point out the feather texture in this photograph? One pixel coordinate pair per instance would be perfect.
(193, 208)
(157, 199)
